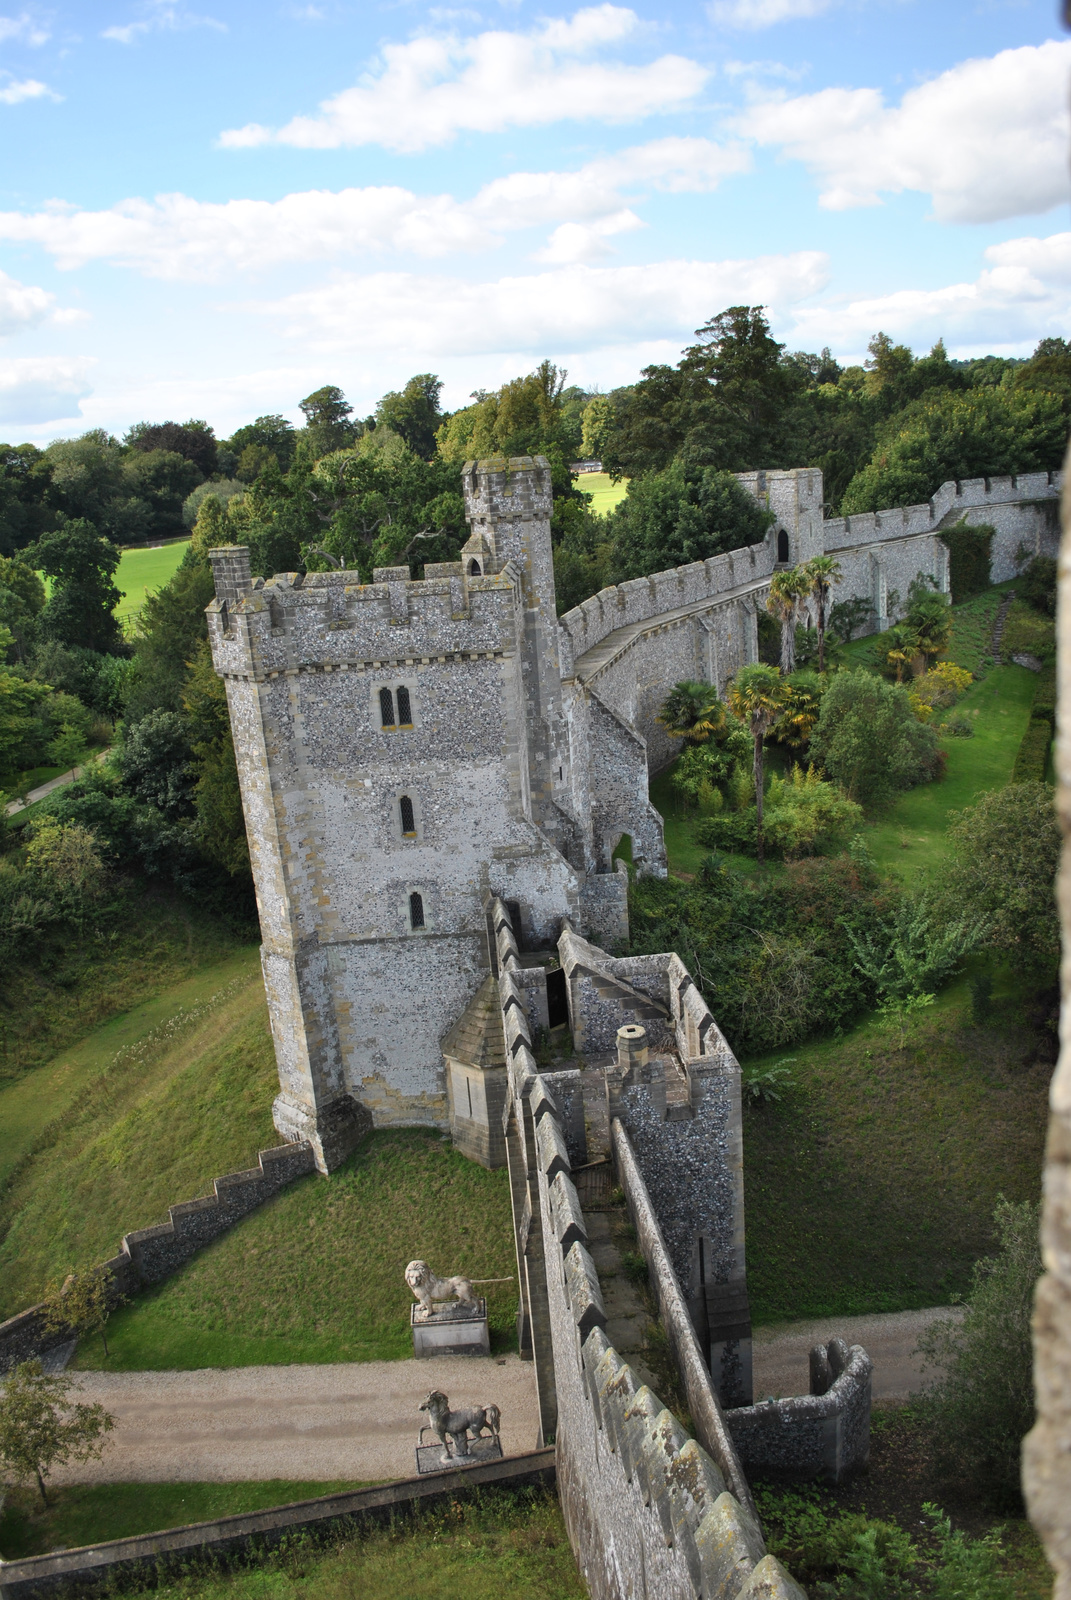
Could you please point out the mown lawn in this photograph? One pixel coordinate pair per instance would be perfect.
(90, 1513)
(605, 495)
(317, 1275)
(142, 571)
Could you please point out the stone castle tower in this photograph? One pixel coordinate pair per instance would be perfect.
(404, 754)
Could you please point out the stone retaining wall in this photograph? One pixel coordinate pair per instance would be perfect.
(149, 1255)
(823, 1435)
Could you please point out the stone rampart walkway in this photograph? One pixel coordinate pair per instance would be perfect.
(357, 1421)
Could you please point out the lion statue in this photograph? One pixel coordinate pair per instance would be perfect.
(457, 1425)
(428, 1288)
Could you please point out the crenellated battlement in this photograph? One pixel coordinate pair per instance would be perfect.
(506, 489)
(332, 620)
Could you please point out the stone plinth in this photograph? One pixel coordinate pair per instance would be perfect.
(429, 1457)
(451, 1331)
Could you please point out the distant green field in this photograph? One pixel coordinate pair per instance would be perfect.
(141, 572)
(604, 494)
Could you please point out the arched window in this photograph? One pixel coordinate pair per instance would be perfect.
(416, 909)
(782, 545)
(408, 819)
(405, 710)
(474, 569)
(386, 708)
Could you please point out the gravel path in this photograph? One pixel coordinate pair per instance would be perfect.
(780, 1352)
(357, 1421)
(360, 1421)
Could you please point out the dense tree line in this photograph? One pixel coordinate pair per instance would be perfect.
(384, 490)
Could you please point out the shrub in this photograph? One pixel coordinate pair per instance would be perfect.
(941, 687)
(1028, 632)
(979, 1411)
(1037, 585)
(868, 738)
(915, 948)
(958, 728)
(804, 816)
(1007, 852)
(1033, 753)
(155, 763)
(969, 551)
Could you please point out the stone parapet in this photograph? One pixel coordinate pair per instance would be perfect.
(824, 1435)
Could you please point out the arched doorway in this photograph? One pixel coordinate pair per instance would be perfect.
(782, 547)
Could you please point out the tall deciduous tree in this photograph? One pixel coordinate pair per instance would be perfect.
(758, 696)
(81, 563)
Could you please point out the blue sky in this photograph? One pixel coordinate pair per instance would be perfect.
(211, 210)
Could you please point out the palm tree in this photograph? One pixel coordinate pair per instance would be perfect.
(692, 712)
(901, 646)
(787, 589)
(822, 572)
(758, 695)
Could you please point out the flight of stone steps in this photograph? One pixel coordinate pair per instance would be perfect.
(998, 626)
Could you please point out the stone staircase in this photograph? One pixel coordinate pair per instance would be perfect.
(998, 626)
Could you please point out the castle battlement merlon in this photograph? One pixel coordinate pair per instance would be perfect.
(331, 620)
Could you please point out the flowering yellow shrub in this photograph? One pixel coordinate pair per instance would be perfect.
(939, 688)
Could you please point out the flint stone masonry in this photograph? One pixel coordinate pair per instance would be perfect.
(648, 1510)
(523, 765)
(149, 1255)
(825, 1434)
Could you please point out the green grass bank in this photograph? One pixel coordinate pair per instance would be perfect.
(316, 1275)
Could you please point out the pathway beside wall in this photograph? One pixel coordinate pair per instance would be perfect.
(357, 1421)
(780, 1353)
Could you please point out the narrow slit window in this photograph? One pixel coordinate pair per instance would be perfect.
(405, 710)
(409, 832)
(416, 911)
(386, 708)
(468, 1087)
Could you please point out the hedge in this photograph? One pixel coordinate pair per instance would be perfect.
(969, 550)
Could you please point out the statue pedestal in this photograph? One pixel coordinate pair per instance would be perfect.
(429, 1457)
(451, 1331)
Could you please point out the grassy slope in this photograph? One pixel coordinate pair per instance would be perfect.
(37, 1098)
(153, 941)
(871, 1188)
(483, 1548)
(141, 572)
(317, 1274)
(153, 1127)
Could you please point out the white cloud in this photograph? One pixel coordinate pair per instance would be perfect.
(12, 94)
(579, 241)
(432, 88)
(38, 389)
(987, 140)
(764, 13)
(160, 17)
(177, 237)
(22, 306)
(1022, 294)
(575, 307)
(24, 28)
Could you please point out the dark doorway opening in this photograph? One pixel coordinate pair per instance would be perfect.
(782, 546)
(557, 1003)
